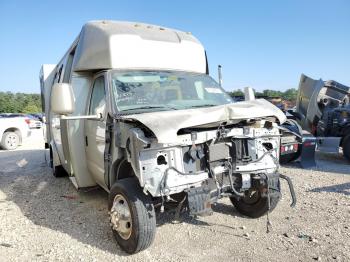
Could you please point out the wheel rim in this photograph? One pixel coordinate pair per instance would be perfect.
(252, 197)
(12, 141)
(121, 217)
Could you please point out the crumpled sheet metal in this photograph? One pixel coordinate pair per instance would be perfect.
(166, 124)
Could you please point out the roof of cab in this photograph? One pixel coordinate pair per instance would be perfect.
(145, 31)
(115, 44)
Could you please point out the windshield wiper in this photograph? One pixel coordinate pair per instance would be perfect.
(204, 105)
(149, 107)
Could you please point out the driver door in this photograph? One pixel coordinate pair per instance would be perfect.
(95, 131)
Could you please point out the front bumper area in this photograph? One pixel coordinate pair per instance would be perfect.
(200, 199)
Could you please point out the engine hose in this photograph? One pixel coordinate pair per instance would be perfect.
(291, 189)
(231, 182)
(260, 158)
(218, 187)
(179, 172)
(268, 222)
(266, 153)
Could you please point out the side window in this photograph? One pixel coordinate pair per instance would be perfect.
(58, 75)
(68, 67)
(98, 99)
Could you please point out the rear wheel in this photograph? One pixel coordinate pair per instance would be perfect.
(132, 216)
(10, 141)
(346, 147)
(254, 205)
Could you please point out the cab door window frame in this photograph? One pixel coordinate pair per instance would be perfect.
(89, 112)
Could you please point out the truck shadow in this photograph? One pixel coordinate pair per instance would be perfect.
(332, 162)
(326, 162)
(169, 217)
(54, 203)
(340, 189)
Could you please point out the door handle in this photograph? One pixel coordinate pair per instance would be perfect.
(86, 141)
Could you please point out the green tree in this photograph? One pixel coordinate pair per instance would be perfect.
(272, 93)
(19, 102)
(234, 93)
(30, 108)
(290, 94)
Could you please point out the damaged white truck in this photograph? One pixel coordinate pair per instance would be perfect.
(131, 107)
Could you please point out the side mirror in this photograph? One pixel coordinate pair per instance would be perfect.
(62, 99)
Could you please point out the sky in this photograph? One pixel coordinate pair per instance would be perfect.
(261, 44)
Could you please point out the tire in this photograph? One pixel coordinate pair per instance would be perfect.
(256, 206)
(10, 141)
(142, 218)
(346, 147)
(59, 171)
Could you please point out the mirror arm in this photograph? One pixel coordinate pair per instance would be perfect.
(97, 117)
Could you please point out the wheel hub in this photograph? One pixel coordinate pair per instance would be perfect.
(11, 141)
(120, 217)
(251, 197)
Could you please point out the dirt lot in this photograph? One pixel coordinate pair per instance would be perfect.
(45, 219)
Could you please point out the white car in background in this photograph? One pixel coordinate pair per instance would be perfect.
(13, 130)
(34, 122)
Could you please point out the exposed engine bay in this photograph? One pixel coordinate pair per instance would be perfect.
(211, 162)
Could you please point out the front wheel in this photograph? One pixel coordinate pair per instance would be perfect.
(59, 171)
(132, 216)
(254, 205)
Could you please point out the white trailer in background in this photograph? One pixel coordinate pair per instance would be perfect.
(131, 108)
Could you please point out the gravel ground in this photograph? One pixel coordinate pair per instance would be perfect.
(45, 219)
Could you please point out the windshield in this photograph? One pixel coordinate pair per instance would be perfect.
(144, 91)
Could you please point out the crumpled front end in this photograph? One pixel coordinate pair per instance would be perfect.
(232, 157)
(226, 155)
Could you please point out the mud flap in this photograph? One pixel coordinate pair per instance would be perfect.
(307, 156)
(199, 202)
(273, 185)
(274, 182)
(328, 144)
